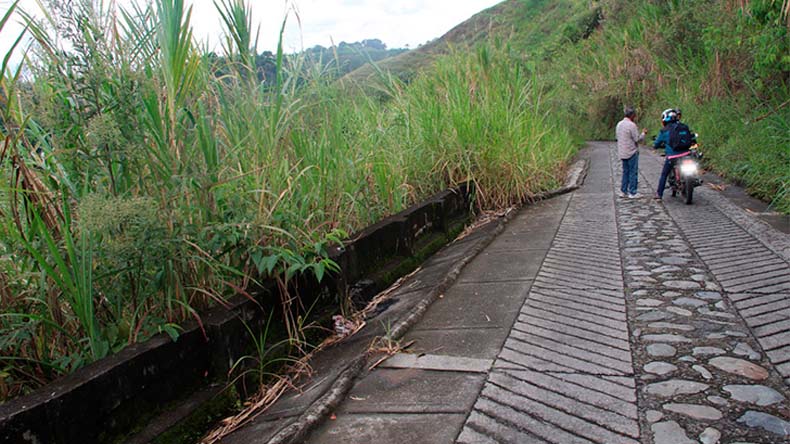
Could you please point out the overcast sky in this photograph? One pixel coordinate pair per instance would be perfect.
(398, 23)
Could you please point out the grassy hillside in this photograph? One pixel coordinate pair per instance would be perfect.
(528, 26)
(724, 62)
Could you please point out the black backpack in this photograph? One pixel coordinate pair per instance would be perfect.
(680, 137)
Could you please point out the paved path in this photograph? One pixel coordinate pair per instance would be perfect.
(594, 319)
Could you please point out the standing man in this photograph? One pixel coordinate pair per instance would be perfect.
(628, 138)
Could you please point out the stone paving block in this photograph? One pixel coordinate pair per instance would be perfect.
(613, 295)
(437, 362)
(737, 264)
(743, 266)
(556, 265)
(403, 428)
(585, 258)
(534, 357)
(536, 318)
(774, 335)
(564, 336)
(736, 256)
(619, 387)
(749, 300)
(480, 343)
(560, 419)
(766, 422)
(784, 369)
(734, 239)
(767, 318)
(560, 316)
(772, 307)
(507, 242)
(784, 287)
(412, 390)
(670, 432)
(780, 355)
(508, 424)
(510, 358)
(607, 313)
(573, 350)
(580, 279)
(775, 340)
(470, 436)
(753, 268)
(755, 394)
(763, 284)
(590, 391)
(608, 326)
(614, 298)
(503, 266)
(579, 260)
(476, 306)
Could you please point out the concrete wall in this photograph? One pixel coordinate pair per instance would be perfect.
(111, 398)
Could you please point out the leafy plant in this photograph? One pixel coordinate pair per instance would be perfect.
(268, 358)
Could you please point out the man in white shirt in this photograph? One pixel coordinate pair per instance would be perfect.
(628, 138)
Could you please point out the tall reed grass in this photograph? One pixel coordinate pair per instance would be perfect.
(161, 179)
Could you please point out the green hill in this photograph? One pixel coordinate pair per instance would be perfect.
(529, 25)
(725, 63)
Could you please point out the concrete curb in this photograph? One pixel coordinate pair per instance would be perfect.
(339, 389)
(323, 405)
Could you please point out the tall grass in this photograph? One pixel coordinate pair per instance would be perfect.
(480, 117)
(162, 179)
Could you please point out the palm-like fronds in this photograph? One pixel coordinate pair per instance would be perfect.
(240, 42)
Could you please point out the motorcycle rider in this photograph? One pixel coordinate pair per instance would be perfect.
(669, 118)
(662, 141)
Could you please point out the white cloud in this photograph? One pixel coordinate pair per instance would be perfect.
(397, 23)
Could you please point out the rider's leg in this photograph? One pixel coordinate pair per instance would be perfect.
(662, 181)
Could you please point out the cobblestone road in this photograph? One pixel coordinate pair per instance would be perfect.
(648, 322)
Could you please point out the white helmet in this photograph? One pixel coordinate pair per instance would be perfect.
(669, 115)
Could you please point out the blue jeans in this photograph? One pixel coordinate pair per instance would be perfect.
(662, 181)
(630, 174)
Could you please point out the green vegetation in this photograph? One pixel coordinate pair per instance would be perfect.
(144, 180)
(724, 62)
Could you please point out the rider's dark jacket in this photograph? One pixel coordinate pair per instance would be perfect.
(663, 140)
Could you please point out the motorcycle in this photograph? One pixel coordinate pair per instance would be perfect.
(685, 174)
